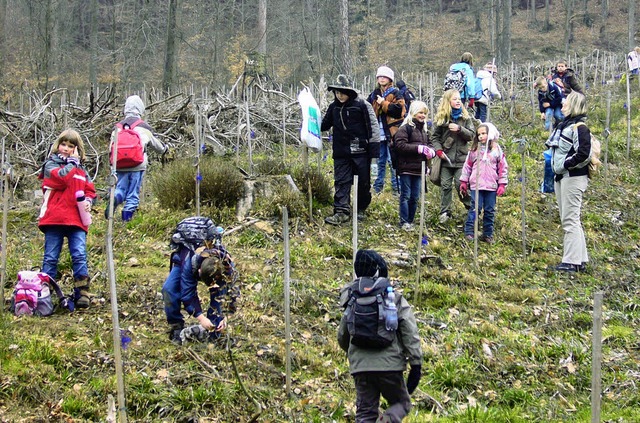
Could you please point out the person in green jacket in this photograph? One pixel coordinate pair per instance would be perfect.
(454, 129)
(380, 371)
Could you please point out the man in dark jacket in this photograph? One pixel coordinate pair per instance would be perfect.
(380, 371)
(565, 78)
(356, 147)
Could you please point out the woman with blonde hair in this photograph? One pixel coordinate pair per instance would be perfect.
(570, 145)
(454, 129)
(412, 146)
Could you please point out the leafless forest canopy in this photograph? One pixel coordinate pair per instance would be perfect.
(75, 44)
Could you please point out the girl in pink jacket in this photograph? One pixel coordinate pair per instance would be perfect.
(484, 174)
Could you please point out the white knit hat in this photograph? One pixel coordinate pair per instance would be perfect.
(385, 71)
(492, 131)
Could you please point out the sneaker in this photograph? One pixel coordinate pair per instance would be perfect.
(567, 267)
(174, 334)
(469, 238)
(384, 419)
(487, 239)
(407, 226)
(337, 219)
(361, 216)
(444, 217)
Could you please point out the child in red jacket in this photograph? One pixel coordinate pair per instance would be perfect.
(68, 195)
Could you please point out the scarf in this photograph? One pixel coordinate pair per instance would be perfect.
(456, 113)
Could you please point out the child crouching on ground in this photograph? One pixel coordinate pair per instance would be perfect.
(484, 170)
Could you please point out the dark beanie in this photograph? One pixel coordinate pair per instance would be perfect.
(368, 262)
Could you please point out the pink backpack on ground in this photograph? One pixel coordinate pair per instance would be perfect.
(32, 295)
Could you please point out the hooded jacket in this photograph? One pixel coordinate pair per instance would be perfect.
(406, 147)
(488, 170)
(571, 147)
(567, 81)
(454, 144)
(489, 87)
(133, 111)
(355, 128)
(404, 348)
(60, 182)
(392, 110)
(553, 96)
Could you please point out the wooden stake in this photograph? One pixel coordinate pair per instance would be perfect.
(354, 218)
(628, 116)
(5, 211)
(111, 272)
(197, 134)
(596, 358)
(421, 230)
(606, 133)
(287, 299)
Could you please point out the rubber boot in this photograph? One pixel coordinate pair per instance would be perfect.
(174, 333)
(127, 215)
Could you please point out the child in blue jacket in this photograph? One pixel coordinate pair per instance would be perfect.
(549, 101)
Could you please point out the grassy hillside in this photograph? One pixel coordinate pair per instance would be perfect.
(506, 341)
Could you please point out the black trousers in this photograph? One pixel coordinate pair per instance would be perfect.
(369, 387)
(343, 172)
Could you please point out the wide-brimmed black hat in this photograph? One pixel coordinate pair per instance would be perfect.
(342, 84)
(370, 263)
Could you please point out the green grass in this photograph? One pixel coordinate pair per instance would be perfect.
(536, 324)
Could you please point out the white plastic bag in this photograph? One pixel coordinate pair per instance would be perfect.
(310, 131)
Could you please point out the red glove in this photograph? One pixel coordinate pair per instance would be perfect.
(501, 189)
(440, 154)
(471, 102)
(464, 188)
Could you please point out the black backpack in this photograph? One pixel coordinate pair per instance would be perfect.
(192, 232)
(365, 313)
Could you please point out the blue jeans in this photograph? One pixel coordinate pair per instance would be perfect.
(486, 204)
(481, 111)
(409, 196)
(53, 239)
(128, 188)
(385, 157)
(550, 113)
(171, 296)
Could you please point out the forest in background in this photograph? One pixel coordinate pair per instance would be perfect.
(77, 44)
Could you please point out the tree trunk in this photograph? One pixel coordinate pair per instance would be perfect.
(477, 15)
(547, 23)
(604, 14)
(169, 75)
(568, 25)
(48, 43)
(504, 32)
(3, 48)
(632, 24)
(262, 27)
(93, 47)
(532, 5)
(345, 54)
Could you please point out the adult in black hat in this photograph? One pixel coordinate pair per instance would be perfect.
(356, 146)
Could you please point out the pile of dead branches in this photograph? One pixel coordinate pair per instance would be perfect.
(223, 124)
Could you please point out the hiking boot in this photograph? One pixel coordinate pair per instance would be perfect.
(337, 219)
(487, 239)
(361, 216)
(81, 297)
(444, 217)
(469, 238)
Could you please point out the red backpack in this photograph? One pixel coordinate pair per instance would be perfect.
(130, 148)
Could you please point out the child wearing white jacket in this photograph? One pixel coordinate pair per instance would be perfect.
(484, 177)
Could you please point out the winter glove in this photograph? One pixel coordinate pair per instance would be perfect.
(73, 160)
(472, 102)
(464, 188)
(414, 378)
(501, 189)
(374, 171)
(440, 154)
(426, 150)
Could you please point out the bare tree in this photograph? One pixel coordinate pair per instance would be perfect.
(568, 24)
(3, 47)
(533, 7)
(547, 22)
(503, 31)
(632, 24)
(345, 49)
(169, 75)
(604, 14)
(93, 47)
(262, 27)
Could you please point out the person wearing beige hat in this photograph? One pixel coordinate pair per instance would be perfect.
(388, 105)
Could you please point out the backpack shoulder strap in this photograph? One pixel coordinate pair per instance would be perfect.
(136, 123)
